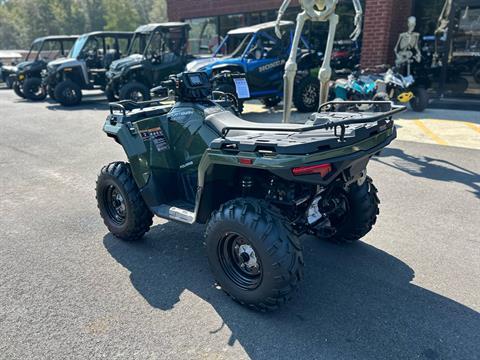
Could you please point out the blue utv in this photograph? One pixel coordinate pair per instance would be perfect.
(257, 54)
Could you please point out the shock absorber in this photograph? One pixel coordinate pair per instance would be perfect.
(247, 185)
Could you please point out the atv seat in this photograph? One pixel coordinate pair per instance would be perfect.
(223, 121)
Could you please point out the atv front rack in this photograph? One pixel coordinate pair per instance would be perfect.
(328, 118)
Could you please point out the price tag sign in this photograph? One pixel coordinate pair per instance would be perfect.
(241, 85)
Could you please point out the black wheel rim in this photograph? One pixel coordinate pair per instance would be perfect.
(70, 94)
(240, 261)
(37, 90)
(136, 95)
(115, 205)
(310, 95)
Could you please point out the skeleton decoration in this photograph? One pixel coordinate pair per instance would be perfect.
(318, 11)
(407, 50)
(444, 18)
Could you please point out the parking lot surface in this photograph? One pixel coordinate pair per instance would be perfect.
(68, 289)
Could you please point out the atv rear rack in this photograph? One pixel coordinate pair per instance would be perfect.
(126, 106)
(329, 107)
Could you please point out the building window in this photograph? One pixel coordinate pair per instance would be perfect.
(204, 36)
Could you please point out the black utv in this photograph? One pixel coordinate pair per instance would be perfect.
(157, 51)
(27, 79)
(86, 65)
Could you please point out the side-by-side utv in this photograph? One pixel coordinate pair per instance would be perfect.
(256, 54)
(86, 65)
(157, 51)
(27, 79)
(257, 186)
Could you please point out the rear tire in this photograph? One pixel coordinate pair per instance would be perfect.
(68, 93)
(363, 209)
(420, 102)
(253, 257)
(51, 92)
(121, 205)
(134, 91)
(33, 89)
(9, 82)
(18, 89)
(306, 95)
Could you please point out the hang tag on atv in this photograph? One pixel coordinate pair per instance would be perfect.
(241, 85)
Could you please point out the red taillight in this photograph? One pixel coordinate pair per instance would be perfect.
(245, 161)
(322, 169)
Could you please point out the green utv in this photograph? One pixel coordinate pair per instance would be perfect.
(258, 187)
(27, 79)
(156, 52)
(86, 66)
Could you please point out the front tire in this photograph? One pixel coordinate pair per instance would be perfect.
(252, 255)
(306, 95)
(68, 93)
(18, 89)
(135, 91)
(121, 205)
(33, 89)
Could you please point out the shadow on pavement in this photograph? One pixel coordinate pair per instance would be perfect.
(431, 168)
(93, 103)
(355, 302)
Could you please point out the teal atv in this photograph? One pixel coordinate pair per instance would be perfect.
(258, 187)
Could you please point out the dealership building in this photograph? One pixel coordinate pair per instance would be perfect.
(384, 20)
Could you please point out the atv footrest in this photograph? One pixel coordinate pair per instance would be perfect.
(171, 212)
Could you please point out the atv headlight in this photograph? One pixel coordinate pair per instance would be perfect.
(21, 77)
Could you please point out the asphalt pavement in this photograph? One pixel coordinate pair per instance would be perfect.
(70, 290)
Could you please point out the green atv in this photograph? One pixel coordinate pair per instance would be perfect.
(258, 187)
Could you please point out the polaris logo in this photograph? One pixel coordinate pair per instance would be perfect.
(271, 66)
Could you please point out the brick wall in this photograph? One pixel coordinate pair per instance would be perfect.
(185, 9)
(384, 21)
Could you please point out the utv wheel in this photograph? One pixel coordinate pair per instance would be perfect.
(9, 82)
(306, 95)
(420, 102)
(252, 255)
(110, 94)
(33, 89)
(18, 89)
(230, 89)
(476, 75)
(68, 93)
(271, 101)
(134, 91)
(51, 92)
(361, 211)
(121, 206)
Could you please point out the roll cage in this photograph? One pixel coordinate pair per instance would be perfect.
(145, 35)
(254, 35)
(40, 43)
